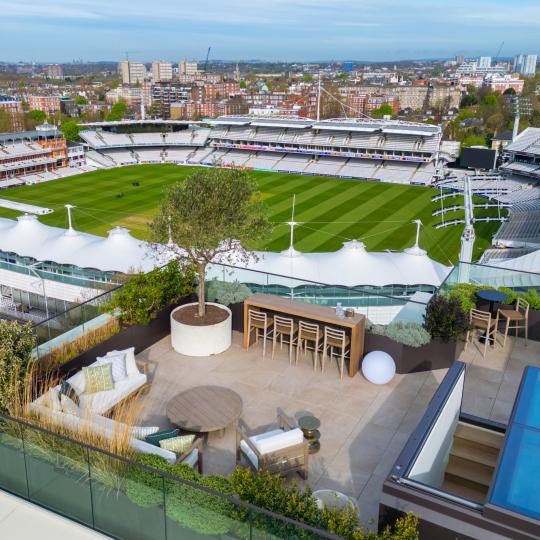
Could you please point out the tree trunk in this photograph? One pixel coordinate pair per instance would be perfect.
(202, 291)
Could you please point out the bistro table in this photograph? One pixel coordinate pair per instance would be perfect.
(203, 409)
(493, 297)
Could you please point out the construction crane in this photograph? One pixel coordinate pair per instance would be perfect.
(499, 51)
(206, 61)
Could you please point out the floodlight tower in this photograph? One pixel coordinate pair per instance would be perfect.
(521, 106)
(468, 236)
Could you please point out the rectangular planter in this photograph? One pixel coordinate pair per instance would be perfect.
(139, 336)
(433, 355)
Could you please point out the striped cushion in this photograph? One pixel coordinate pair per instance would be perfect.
(140, 432)
(161, 435)
(178, 445)
(67, 390)
(98, 378)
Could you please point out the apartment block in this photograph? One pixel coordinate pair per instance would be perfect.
(162, 70)
(47, 104)
(132, 72)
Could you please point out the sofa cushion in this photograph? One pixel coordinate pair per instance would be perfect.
(140, 432)
(78, 382)
(69, 406)
(147, 448)
(267, 443)
(155, 438)
(68, 390)
(179, 444)
(118, 365)
(101, 402)
(131, 365)
(249, 453)
(98, 378)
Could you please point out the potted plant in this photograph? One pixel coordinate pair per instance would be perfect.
(210, 217)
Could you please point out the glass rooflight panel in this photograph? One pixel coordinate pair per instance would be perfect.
(528, 408)
(516, 485)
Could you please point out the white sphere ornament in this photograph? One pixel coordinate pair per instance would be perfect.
(378, 367)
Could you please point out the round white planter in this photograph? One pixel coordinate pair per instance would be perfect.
(201, 340)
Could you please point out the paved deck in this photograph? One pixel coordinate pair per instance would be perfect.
(363, 426)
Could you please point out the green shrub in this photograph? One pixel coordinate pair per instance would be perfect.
(227, 293)
(189, 506)
(411, 333)
(17, 342)
(445, 319)
(144, 295)
(465, 293)
(532, 298)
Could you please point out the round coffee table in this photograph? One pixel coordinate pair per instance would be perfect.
(203, 409)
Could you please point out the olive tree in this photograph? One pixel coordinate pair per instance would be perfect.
(215, 215)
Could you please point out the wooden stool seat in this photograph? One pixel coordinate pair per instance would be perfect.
(516, 319)
(259, 320)
(335, 339)
(309, 332)
(284, 326)
(482, 320)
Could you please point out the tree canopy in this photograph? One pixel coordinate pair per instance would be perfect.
(382, 111)
(71, 130)
(118, 111)
(213, 214)
(37, 115)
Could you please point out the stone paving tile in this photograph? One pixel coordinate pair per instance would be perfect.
(363, 426)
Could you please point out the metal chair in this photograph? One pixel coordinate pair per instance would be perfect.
(481, 320)
(519, 317)
(335, 339)
(284, 326)
(260, 321)
(309, 333)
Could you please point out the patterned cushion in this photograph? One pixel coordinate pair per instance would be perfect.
(161, 435)
(67, 390)
(118, 363)
(178, 445)
(69, 406)
(98, 378)
(140, 432)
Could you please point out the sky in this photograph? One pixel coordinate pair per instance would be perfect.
(289, 30)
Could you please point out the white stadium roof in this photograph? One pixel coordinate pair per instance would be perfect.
(118, 252)
(350, 266)
(527, 142)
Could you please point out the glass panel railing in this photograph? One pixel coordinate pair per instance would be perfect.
(12, 466)
(124, 499)
(128, 502)
(492, 276)
(58, 475)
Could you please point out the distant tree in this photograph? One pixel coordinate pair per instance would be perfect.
(243, 84)
(6, 122)
(37, 115)
(343, 76)
(71, 130)
(307, 78)
(474, 140)
(80, 100)
(490, 99)
(382, 111)
(468, 100)
(118, 111)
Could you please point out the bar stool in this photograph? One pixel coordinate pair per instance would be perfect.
(260, 321)
(309, 332)
(284, 326)
(519, 317)
(481, 320)
(335, 339)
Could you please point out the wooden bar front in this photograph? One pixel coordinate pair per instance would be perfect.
(311, 312)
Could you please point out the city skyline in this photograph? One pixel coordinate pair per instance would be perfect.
(297, 30)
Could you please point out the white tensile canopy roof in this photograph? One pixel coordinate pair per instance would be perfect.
(350, 266)
(118, 252)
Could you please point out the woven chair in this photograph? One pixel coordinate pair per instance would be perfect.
(284, 327)
(481, 320)
(516, 319)
(309, 333)
(335, 339)
(260, 322)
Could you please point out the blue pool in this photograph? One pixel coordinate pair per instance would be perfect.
(517, 479)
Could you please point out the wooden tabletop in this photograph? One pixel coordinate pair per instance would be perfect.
(204, 408)
(303, 309)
